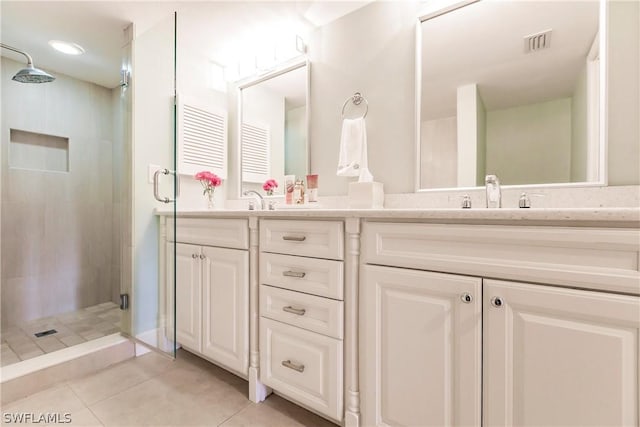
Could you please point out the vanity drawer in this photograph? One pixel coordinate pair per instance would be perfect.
(316, 314)
(303, 365)
(319, 239)
(222, 232)
(322, 277)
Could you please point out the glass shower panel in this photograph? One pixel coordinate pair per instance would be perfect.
(151, 293)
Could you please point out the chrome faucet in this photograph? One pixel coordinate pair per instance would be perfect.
(494, 197)
(255, 193)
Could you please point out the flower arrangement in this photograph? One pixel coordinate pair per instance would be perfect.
(209, 181)
(269, 185)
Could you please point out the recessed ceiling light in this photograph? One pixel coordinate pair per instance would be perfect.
(66, 47)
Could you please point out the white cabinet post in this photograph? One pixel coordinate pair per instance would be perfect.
(352, 265)
(257, 391)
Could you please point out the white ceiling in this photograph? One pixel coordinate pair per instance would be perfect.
(483, 43)
(214, 28)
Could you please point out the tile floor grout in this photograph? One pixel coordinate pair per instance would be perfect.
(187, 391)
(85, 405)
(19, 343)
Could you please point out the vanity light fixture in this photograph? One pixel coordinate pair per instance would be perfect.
(270, 56)
(66, 47)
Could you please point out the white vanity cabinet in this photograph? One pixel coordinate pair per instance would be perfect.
(434, 347)
(302, 312)
(420, 356)
(559, 357)
(212, 290)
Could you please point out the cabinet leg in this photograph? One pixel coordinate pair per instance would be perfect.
(257, 391)
(351, 419)
(352, 413)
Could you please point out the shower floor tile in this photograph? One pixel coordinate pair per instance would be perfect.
(18, 342)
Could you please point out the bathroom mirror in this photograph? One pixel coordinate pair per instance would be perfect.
(513, 89)
(273, 130)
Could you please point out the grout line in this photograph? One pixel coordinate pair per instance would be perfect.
(96, 417)
(114, 394)
(247, 406)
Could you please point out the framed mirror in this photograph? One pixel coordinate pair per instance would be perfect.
(273, 127)
(513, 89)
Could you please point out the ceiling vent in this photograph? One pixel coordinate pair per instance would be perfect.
(537, 41)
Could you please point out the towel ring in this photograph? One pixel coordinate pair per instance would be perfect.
(357, 99)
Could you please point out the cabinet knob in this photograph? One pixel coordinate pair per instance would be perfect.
(466, 298)
(194, 256)
(202, 256)
(289, 364)
(496, 302)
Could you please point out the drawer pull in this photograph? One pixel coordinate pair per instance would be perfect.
(295, 238)
(298, 274)
(289, 364)
(298, 311)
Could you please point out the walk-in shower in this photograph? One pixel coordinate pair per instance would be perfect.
(60, 207)
(30, 74)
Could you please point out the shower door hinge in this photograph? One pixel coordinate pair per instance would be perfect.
(124, 301)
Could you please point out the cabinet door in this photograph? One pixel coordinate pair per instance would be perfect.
(226, 307)
(420, 348)
(559, 357)
(188, 296)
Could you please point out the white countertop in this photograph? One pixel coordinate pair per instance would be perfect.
(620, 217)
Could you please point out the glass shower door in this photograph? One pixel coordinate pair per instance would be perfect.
(154, 188)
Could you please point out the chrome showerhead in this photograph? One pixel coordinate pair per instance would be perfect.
(33, 75)
(29, 74)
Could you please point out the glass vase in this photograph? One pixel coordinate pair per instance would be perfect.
(211, 204)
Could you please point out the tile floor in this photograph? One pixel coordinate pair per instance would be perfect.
(152, 390)
(18, 342)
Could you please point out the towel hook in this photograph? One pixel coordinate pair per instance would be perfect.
(357, 99)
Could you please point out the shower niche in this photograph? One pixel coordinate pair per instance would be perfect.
(38, 151)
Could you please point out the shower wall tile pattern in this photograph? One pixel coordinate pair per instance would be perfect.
(58, 228)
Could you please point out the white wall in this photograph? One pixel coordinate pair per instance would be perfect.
(57, 226)
(471, 136)
(579, 129)
(530, 143)
(295, 142)
(624, 93)
(194, 81)
(439, 153)
(372, 51)
(152, 144)
(481, 140)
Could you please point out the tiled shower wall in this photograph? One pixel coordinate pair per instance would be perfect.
(58, 228)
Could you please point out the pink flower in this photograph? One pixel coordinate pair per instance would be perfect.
(269, 185)
(209, 180)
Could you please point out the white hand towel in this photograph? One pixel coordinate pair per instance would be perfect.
(353, 150)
